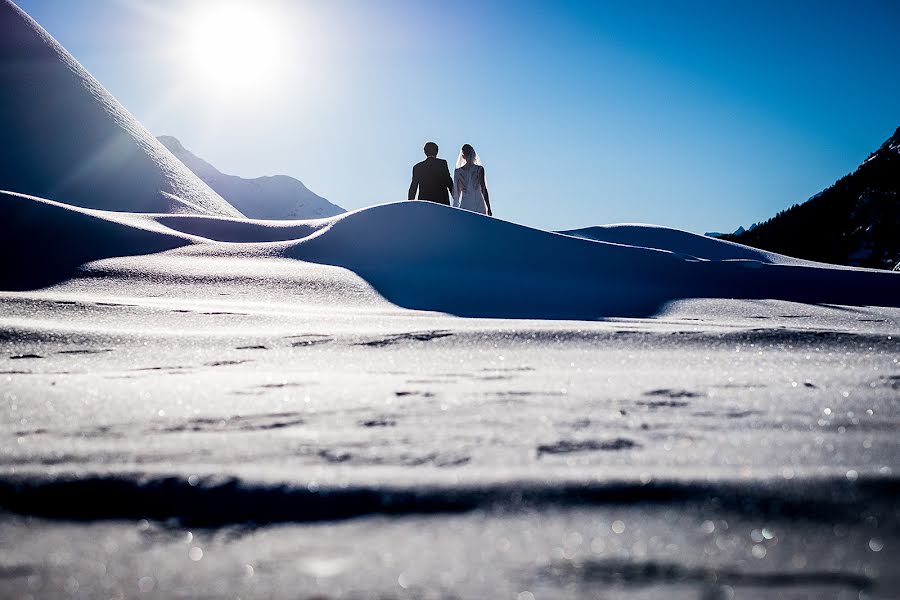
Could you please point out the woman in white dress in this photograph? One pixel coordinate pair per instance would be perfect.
(469, 188)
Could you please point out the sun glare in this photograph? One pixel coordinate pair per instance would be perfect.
(235, 48)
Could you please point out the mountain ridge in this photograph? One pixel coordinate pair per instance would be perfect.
(268, 197)
(854, 222)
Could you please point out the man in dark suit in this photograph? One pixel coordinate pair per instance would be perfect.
(431, 178)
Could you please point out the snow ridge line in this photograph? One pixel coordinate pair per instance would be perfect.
(216, 502)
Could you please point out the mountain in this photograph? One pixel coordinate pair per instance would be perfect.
(278, 197)
(854, 222)
(738, 231)
(64, 137)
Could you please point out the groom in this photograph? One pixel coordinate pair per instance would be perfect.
(431, 178)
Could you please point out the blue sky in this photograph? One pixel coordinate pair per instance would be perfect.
(697, 115)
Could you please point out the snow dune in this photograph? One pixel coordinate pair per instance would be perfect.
(72, 155)
(425, 256)
(690, 245)
(66, 138)
(185, 365)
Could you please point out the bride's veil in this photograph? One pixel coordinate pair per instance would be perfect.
(461, 161)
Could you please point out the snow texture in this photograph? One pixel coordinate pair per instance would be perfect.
(427, 256)
(275, 197)
(65, 137)
(416, 401)
(215, 397)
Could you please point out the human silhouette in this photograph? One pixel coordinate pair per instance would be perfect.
(431, 178)
(469, 187)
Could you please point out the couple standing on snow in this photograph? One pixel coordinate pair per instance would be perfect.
(468, 190)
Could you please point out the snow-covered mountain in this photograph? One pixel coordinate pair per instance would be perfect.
(64, 137)
(276, 197)
(854, 222)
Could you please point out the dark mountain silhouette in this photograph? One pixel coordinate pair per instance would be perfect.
(854, 222)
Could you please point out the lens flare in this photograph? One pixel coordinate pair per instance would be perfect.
(235, 48)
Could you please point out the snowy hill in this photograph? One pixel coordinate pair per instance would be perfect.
(682, 243)
(854, 222)
(278, 197)
(194, 391)
(66, 138)
(430, 257)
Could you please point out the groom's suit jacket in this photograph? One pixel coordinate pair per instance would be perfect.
(431, 178)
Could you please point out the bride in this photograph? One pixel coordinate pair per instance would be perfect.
(469, 188)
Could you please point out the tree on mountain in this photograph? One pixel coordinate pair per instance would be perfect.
(854, 222)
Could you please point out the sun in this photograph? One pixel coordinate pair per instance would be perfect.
(234, 47)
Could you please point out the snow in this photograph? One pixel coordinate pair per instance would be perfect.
(314, 377)
(430, 257)
(416, 401)
(220, 383)
(66, 138)
(276, 197)
(679, 242)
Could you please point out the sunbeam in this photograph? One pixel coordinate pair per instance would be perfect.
(237, 48)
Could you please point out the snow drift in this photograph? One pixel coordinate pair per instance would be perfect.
(72, 155)
(66, 138)
(426, 256)
(690, 245)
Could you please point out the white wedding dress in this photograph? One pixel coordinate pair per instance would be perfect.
(467, 192)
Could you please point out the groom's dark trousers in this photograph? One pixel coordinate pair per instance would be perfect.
(431, 178)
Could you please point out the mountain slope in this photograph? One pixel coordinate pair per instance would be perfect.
(278, 197)
(854, 222)
(64, 137)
